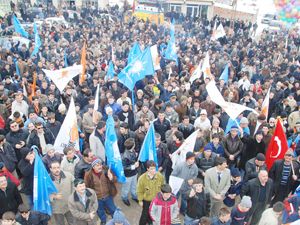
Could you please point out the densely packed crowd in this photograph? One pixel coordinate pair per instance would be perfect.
(226, 180)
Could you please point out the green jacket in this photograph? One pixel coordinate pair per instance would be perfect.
(148, 188)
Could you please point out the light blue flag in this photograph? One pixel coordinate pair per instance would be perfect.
(235, 122)
(65, 59)
(148, 150)
(225, 74)
(170, 52)
(43, 186)
(137, 70)
(37, 41)
(19, 28)
(111, 70)
(134, 52)
(17, 67)
(112, 152)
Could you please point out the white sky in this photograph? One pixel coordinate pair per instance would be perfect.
(266, 6)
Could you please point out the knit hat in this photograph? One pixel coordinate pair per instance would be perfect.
(189, 155)
(235, 172)
(244, 120)
(260, 157)
(234, 127)
(119, 217)
(203, 111)
(207, 147)
(246, 202)
(259, 132)
(289, 152)
(96, 161)
(49, 147)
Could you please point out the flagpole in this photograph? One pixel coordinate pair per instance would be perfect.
(292, 166)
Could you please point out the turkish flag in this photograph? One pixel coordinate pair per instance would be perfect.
(278, 145)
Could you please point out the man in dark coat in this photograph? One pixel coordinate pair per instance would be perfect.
(53, 125)
(126, 115)
(260, 190)
(162, 125)
(10, 197)
(284, 173)
(252, 146)
(17, 138)
(26, 166)
(254, 165)
(7, 155)
(38, 135)
(28, 217)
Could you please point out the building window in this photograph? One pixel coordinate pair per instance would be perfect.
(175, 8)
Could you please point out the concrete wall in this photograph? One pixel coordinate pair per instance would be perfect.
(232, 14)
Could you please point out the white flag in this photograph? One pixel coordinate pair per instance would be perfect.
(232, 109)
(206, 66)
(220, 32)
(96, 105)
(213, 35)
(214, 93)
(187, 146)
(68, 133)
(155, 57)
(265, 104)
(196, 74)
(62, 77)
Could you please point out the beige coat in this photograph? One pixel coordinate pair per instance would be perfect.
(64, 187)
(80, 213)
(269, 218)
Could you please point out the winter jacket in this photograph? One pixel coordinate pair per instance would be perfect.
(54, 127)
(162, 127)
(186, 130)
(269, 217)
(129, 158)
(81, 168)
(163, 212)
(232, 146)
(186, 172)
(80, 212)
(162, 155)
(130, 118)
(96, 145)
(8, 157)
(197, 206)
(34, 138)
(122, 138)
(148, 188)
(65, 187)
(15, 137)
(35, 218)
(250, 149)
(250, 169)
(10, 199)
(275, 174)
(69, 166)
(26, 170)
(203, 163)
(253, 188)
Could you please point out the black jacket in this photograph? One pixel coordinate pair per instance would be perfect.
(34, 139)
(15, 137)
(253, 188)
(10, 199)
(276, 174)
(130, 118)
(54, 127)
(122, 138)
(197, 206)
(250, 169)
(129, 158)
(26, 170)
(162, 155)
(162, 128)
(80, 169)
(8, 157)
(35, 218)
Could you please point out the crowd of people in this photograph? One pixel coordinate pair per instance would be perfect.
(226, 180)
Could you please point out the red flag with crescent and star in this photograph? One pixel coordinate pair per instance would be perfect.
(277, 146)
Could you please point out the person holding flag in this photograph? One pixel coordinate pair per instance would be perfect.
(101, 179)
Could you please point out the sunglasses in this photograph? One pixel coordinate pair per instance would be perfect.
(25, 212)
(39, 128)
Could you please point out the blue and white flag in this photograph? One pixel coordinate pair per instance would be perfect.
(65, 59)
(134, 52)
(111, 70)
(112, 152)
(43, 186)
(170, 53)
(17, 67)
(137, 70)
(225, 74)
(18, 27)
(37, 41)
(148, 150)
